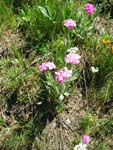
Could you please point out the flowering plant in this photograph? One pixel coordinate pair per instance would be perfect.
(58, 82)
(85, 139)
(63, 74)
(72, 58)
(47, 66)
(84, 21)
(89, 8)
(69, 23)
(80, 146)
(83, 145)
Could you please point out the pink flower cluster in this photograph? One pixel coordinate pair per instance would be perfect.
(47, 66)
(69, 23)
(85, 139)
(89, 8)
(72, 58)
(63, 74)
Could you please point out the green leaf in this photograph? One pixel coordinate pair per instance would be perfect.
(66, 94)
(44, 12)
(61, 97)
(74, 77)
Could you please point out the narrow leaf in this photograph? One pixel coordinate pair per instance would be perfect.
(44, 12)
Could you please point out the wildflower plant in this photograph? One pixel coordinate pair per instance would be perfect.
(47, 66)
(90, 8)
(69, 23)
(84, 22)
(83, 144)
(63, 75)
(58, 80)
(72, 58)
(85, 139)
(78, 28)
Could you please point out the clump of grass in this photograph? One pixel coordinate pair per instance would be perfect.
(7, 17)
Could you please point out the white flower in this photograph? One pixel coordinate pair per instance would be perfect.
(80, 146)
(94, 69)
(73, 50)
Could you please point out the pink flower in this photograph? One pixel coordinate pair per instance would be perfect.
(47, 66)
(85, 139)
(72, 58)
(89, 8)
(69, 23)
(63, 74)
(50, 65)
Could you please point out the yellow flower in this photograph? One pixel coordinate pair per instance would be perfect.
(105, 41)
(112, 48)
